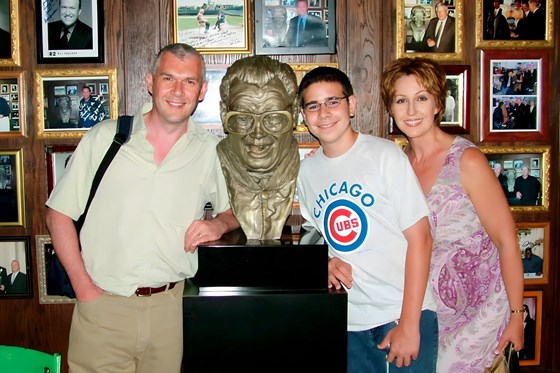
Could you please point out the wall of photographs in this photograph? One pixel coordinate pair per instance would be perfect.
(503, 94)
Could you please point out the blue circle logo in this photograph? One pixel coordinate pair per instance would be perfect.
(345, 225)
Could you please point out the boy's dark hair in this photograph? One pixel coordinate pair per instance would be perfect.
(325, 74)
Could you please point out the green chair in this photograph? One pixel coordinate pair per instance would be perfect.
(24, 360)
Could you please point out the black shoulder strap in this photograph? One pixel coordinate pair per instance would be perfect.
(124, 128)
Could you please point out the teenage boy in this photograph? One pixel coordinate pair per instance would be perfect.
(361, 193)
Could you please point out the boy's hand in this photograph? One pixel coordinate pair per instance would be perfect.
(340, 272)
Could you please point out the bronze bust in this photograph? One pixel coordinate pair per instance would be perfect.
(259, 156)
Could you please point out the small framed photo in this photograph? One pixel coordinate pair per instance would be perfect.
(92, 88)
(57, 157)
(11, 103)
(295, 28)
(59, 90)
(513, 106)
(221, 26)
(15, 268)
(532, 321)
(432, 29)
(535, 163)
(315, 4)
(207, 113)
(73, 113)
(456, 118)
(49, 292)
(523, 191)
(9, 33)
(70, 31)
(534, 246)
(12, 211)
(514, 24)
(103, 88)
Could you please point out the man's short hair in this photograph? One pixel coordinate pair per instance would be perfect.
(179, 50)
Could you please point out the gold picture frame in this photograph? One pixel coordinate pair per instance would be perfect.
(13, 11)
(404, 32)
(207, 36)
(484, 6)
(12, 91)
(52, 85)
(44, 246)
(507, 155)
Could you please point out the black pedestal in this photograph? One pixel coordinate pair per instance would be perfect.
(264, 326)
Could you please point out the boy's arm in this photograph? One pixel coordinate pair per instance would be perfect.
(404, 340)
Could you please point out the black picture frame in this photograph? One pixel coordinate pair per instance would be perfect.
(15, 249)
(90, 20)
(263, 18)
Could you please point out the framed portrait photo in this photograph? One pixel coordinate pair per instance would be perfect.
(513, 106)
(9, 33)
(57, 157)
(534, 246)
(432, 29)
(220, 26)
(512, 166)
(532, 304)
(514, 24)
(70, 31)
(207, 113)
(11, 104)
(15, 268)
(48, 291)
(12, 211)
(293, 27)
(77, 110)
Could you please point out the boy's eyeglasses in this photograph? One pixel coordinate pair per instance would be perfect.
(329, 103)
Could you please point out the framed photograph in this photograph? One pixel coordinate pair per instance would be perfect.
(220, 26)
(9, 33)
(47, 291)
(456, 118)
(57, 158)
(534, 246)
(514, 24)
(104, 88)
(513, 106)
(92, 88)
(523, 191)
(430, 29)
(15, 268)
(12, 211)
(207, 113)
(11, 103)
(315, 3)
(531, 353)
(295, 28)
(70, 31)
(72, 114)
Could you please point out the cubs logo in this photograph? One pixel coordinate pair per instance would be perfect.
(345, 225)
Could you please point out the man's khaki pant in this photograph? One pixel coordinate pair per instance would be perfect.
(115, 334)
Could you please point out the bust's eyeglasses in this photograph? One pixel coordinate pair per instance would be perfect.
(273, 122)
(329, 103)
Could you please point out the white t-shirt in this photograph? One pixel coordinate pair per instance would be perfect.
(362, 202)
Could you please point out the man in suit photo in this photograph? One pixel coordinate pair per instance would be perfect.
(440, 33)
(17, 280)
(69, 32)
(306, 30)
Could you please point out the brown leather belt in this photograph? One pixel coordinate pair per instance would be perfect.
(146, 292)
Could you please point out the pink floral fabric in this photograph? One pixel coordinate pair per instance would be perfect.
(465, 275)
